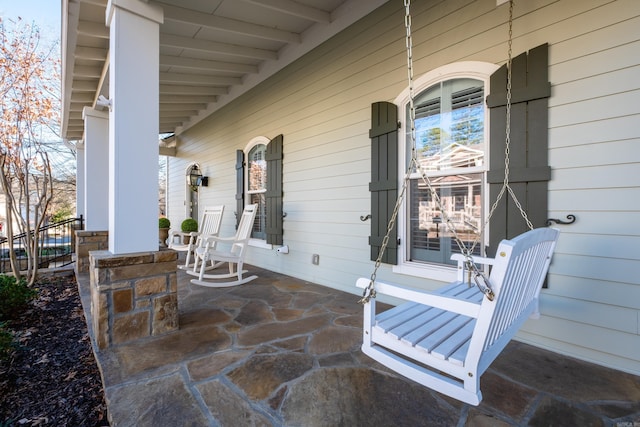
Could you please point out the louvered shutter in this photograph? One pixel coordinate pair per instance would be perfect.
(239, 185)
(274, 192)
(529, 168)
(384, 178)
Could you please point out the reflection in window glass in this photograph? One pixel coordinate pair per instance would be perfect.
(449, 141)
(257, 187)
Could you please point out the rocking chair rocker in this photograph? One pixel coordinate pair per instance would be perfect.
(209, 253)
(447, 339)
(209, 226)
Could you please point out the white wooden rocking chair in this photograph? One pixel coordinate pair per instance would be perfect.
(209, 226)
(208, 252)
(446, 340)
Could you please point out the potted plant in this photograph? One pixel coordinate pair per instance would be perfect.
(187, 226)
(164, 224)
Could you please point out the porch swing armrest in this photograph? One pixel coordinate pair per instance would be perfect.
(462, 265)
(452, 304)
(476, 259)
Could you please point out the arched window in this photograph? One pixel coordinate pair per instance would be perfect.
(259, 181)
(451, 123)
(257, 186)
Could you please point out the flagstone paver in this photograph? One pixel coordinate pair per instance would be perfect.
(283, 352)
(163, 401)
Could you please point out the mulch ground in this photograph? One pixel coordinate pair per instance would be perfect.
(52, 377)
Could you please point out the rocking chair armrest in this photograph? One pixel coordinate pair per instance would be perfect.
(174, 233)
(442, 302)
(208, 241)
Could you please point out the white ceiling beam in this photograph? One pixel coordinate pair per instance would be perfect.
(84, 86)
(169, 127)
(101, 3)
(93, 29)
(86, 71)
(215, 47)
(192, 90)
(175, 117)
(203, 64)
(91, 53)
(295, 9)
(81, 97)
(199, 79)
(178, 14)
(164, 108)
(186, 99)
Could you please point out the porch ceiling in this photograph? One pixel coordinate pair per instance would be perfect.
(210, 51)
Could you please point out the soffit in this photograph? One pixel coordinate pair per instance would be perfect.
(210, 51)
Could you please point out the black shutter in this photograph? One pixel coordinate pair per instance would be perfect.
(529, 170)
(384, 178)
(274, 191)
(239, 185)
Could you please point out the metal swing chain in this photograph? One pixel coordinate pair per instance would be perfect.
(481, 281)
(505, 183)
(370, 292)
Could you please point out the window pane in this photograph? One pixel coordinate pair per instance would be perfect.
(260, 223)
(257, 187)
(449, 135)
(450, 125)
(461, 198)
(257, 168)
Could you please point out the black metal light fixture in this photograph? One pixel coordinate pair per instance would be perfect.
(193, 179)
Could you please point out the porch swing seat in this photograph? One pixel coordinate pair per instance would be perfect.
(446, 340)
(211, 255)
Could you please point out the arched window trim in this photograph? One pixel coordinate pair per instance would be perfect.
(261, 243)
(465, 69)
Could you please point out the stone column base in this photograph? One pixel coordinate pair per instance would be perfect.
(133, 296)
(87, 241)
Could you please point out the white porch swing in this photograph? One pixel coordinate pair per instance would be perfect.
(445, 340)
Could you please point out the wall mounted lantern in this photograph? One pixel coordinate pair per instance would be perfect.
(195, 178)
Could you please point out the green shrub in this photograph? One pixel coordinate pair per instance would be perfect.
(14, 296)
(6, 341)
(189, 225)
(164, 223)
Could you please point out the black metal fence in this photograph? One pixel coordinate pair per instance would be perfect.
(57, 245)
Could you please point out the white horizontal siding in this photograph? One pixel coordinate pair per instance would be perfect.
(589, 342)
(583, 134)
(321, 104)
(621, 294)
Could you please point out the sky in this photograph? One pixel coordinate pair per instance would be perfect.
(45, 13)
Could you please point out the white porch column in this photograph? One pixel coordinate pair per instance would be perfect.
(96, 151)
(133, 125)
(80, 180)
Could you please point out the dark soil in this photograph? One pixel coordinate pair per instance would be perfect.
(52, 377)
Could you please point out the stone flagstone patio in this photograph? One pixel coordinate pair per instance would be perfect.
(282, 352)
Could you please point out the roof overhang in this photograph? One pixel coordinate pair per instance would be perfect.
(211, 52)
